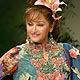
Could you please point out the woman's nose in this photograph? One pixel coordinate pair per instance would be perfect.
(34, 29)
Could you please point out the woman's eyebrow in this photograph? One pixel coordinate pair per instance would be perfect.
(41, 21)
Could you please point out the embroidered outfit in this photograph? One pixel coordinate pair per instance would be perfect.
(28, 62)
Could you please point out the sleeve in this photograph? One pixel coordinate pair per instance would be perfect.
(74, 59)
(8, 62)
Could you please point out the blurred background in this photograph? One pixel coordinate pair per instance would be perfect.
(12, 27)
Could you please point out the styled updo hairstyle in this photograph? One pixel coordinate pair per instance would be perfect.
(33, 13)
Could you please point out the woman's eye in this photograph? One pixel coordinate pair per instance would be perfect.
(40, 24)
(30, 24)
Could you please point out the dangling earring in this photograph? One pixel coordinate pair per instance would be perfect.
(27, 39)
(28, 36)
(51, 35)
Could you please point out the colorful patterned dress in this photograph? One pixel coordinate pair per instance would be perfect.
(29, 61)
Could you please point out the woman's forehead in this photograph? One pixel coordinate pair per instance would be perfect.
(36, 17)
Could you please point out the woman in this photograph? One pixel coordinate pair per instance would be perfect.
(41, 57)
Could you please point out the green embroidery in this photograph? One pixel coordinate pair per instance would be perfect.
(54, 52)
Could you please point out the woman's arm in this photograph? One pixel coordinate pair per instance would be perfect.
(8, 62)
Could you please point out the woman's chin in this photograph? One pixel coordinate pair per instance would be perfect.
(35, 40)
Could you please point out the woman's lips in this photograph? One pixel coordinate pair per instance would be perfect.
(35, 35)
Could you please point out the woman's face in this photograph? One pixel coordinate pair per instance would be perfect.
(38, 30)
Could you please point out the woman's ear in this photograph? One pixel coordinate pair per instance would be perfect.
(52, 26)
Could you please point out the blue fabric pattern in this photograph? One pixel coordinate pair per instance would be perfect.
(73, 62)
(25, 67)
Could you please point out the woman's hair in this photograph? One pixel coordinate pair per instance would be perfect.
(34, 12)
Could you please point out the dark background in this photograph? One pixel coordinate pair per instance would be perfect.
(12, 28)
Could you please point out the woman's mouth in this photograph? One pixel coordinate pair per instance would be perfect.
(35, 35)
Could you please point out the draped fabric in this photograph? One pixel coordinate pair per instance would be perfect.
(29, 63)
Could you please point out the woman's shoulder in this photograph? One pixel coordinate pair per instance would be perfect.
(71, 50)
(9, 60)
(67, 46)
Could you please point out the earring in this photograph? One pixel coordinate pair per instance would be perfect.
(51, 35)
(28, 36)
